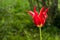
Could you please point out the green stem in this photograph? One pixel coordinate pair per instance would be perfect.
(40, 33)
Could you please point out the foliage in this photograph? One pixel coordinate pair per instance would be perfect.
(16, 24)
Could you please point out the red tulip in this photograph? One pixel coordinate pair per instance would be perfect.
(39, 19)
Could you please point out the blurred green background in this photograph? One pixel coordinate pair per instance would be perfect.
(17, 24)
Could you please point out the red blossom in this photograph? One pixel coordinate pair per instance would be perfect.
(39, 19)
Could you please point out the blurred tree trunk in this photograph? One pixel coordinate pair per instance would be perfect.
(53, 11)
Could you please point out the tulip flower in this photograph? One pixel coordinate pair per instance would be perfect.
(39, 19)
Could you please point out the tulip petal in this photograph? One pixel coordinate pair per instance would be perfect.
(36, 13)
(35, 8)
(36, 20)
(42, 20)
(42, 10)
(46, 10)
(45, 13)
(31, 13)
